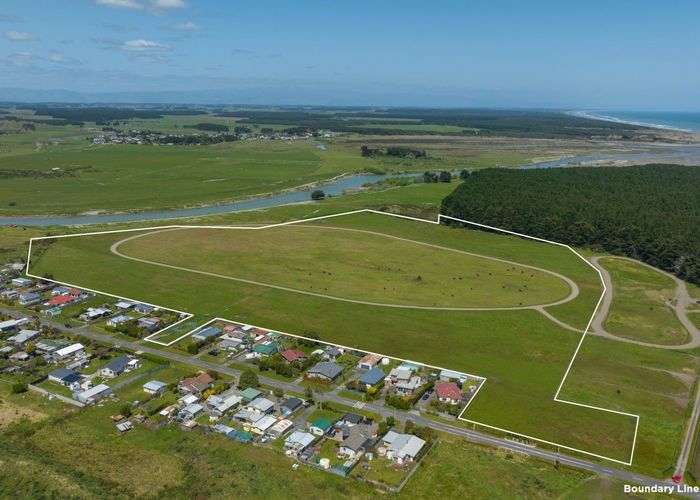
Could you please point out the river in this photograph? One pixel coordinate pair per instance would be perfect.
(334, 188)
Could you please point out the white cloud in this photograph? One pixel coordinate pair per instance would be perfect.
(59, 58)
(143, 46)
(169, 4)
(18, 36)
(188, 26)
(120, 4)
(148, 58)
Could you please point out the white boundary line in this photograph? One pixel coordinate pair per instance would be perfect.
(438, 221)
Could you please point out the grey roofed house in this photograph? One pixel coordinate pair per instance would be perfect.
(355, 441)
(291, 405)
(352, 419)
(116, 366)
(24, 336)
(155, 386)
(65, 376)
(326, 369)
(332, 352)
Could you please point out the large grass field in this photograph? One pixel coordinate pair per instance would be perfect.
(351, 265)
(522, 353)
(639, 310)
(526, 367)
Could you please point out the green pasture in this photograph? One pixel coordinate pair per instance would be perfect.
(523, 354)
(639, 310)
(352, 265)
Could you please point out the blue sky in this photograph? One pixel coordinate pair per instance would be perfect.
(593, 54)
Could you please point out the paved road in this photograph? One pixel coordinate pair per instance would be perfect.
(572, 285)
(471, 435)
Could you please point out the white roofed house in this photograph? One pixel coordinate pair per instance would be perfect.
(118, 320)
(92, 395)
(261, 425)
(402, 448)
(71, 351)
(155, 387)
(298, 441)
(221, 405)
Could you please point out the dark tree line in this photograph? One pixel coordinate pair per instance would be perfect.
(650, 213)
(395, 151)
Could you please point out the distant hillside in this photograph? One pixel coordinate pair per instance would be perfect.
(646, 212)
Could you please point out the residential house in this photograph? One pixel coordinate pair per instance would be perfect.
(118, 366)
(372, 378)
(52, 312)
(94, 313)
(118, 320)
(92, 395)
(262, 406)
(47, 346)
(22, 282)
(450, 376)
(320, 426)
(332, 353)
(64, 376)
(298, 441)
(250, 394)
(9, 294)
(20, 356)
(280, 428)
(326, 370)
(144, 308)
(289, 406)
(266, 349)
(59, 290)
(369, 361)
(187, 400)
(402, 448)
(221, 405)
(59, 301)
(155, 387)
(150, 324)
(23, 337)
(354, 445)
(264, 423)
(291, 355)
(6, 351)
(190, 412)
(29, 298)
(351, 419)
(11, 324)
(207, 333)
(196, 385)
(407, 388)
(448, 392)
(72, 351)
(124, 305)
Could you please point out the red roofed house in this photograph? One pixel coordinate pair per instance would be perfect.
(74, 292)
(448, 392)
(291, 355)
(59, 300)
(197, 384)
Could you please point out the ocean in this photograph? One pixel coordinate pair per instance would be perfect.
(679, 120)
